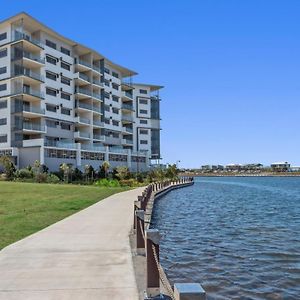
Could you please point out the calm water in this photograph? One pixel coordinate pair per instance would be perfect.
(238, 237)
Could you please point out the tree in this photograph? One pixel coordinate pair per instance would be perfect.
(8, 165)
(122, 172)
(89, 172)
(106, 167)
(172, 172)
(67, 169)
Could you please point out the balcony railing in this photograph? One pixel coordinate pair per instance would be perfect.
(127, 118)
(128, 129)
(117, 150)
(85, 106)
(82, 134)
(98, 137)
(84, 91)
(28, 91)
(98, 123)
(98, 82)
(127, 106)
(96, 68)
(30, 56)
(96, 95)
(21, 36)
(93, 147)
(127, 141)
(33, 126)
(83, 77)
(29, 73)
(129, 95)
(60, 144)
(83, 120)
(84, 63)
(34, 109)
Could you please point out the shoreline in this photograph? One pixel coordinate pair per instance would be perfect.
(239, 175)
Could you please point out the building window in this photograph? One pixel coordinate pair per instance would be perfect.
(65, 66)
(143, 121)
(143, 131)
(107, 108)
(3, 87)
(106, 71)
(115, 86)
(143, 101)
(117, 157)
(65, 51)
(143, 111)
(56, 153)
(65, 111)
(143, 91)
(50, 44)
(106, 82)
(115, 98)
(51, 123)
(3, 52)
(65, 80)
(143, 142)
(115, 123)
(107, 121)
(3, 70)
(115, 110)
(50, 107)
(3, 121)
(51, 75)
(114, 74)
(3, 104)
(65, 126)
(140, 159)
(3, 36)
(51, 92)
(65, 96)
(3, 138)
(50, 59)
(106, 95)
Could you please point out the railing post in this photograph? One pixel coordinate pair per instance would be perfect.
(136, 206)
(152, 255)
(189, 291)
(140, 232)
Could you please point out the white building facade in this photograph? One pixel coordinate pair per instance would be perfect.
(61, 102)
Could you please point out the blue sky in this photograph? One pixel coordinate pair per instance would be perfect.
(231, 69)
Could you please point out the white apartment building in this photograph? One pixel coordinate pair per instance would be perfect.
(62, 102)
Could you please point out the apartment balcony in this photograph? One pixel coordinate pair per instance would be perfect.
(96, 69)
(97, 96)
(127, 96)
(118, 150)
(127, 107)
(31, 75)
(59, 144)
(33, 143)
(126, 86)
(99, 137)
(90, 147)
(30, 127)
(127, 142)
(81, 135)
(29, 59)
(32, 43)
(128, 130)
(127, 119)
(112, 140)
(85, 106)
(83, 121)
(98, 83)
(82, 79)
(97, 123)
(29, 94)
(82, 93)
(82, 65)
(32, 111)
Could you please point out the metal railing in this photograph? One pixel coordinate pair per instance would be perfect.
(98, 137)
(128, 129)
(84, 63)
(28, 55)
(29, 73)
(83, 76)
(98, 123)
(127, 141)
(127, 106)
(82, 134)
(34, 109)
(21, 36)
(28, 91)
(127, 118)
(33, 126)
(129, 95)
(83, 120)
(60, 144)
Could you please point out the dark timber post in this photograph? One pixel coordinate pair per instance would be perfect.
(152, 255)
(136, 206)
(140, 231)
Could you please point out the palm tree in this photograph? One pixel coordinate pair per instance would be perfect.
(105, 167)
(65, 168)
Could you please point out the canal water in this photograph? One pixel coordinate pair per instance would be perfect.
(237, 236)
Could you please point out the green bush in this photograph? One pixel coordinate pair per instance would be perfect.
(107, 183)
(24, 174)
(130, 182)
(52, 179)
(41, 177)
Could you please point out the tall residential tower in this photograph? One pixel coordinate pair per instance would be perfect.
(62, 102)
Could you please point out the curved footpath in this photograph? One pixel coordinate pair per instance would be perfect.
(85, 256)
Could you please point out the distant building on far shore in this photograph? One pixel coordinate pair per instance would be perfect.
(280, 166)
(233, 167)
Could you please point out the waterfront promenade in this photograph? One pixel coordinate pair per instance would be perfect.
(85, 256)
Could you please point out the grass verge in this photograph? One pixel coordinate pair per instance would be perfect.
(29, 207)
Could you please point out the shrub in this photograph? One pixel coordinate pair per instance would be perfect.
(24, 174)
(41, 177)
(130, 182)
(107, 183)
(52, 179)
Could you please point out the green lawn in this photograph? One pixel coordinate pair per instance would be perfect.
(29, 207)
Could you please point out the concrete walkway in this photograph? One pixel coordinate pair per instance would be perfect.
(85, 256)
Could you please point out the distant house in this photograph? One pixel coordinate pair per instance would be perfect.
(280, 166)
(217, 167)
(295, 169)
(233, 167)
(252, 167)
(206, 167)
